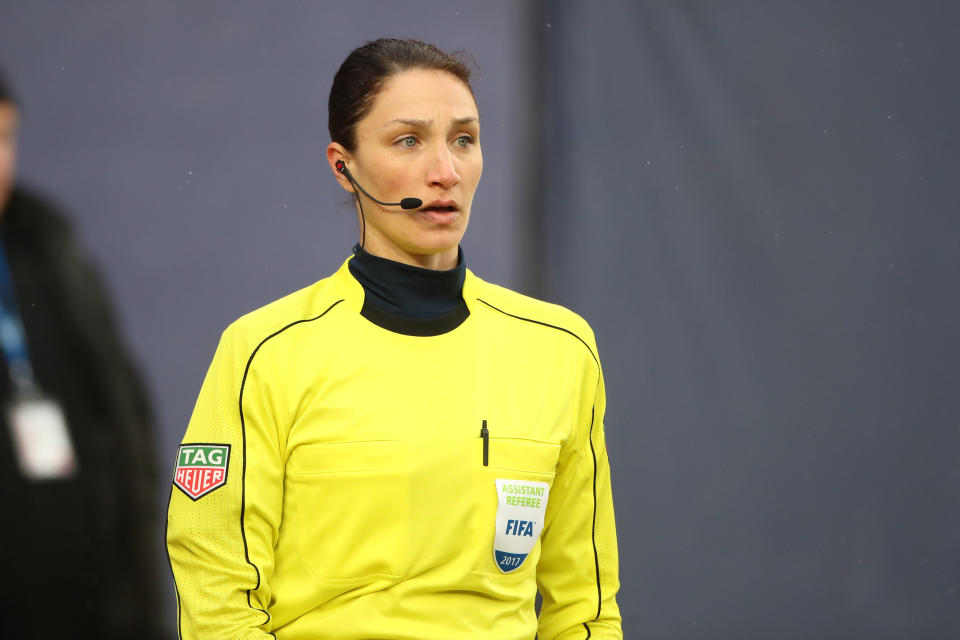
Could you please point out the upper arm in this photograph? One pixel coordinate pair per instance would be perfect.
(220, 538)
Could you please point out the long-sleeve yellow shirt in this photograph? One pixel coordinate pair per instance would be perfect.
(341, 480)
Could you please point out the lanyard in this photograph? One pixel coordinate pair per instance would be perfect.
(12, 338)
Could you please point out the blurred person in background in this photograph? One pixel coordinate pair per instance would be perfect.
(76, 449)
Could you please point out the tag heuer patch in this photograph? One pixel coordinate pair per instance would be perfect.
(201, 468)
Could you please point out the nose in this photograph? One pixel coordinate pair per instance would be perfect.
(442, 172)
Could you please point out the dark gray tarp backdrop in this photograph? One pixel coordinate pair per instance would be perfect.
(755, 204)
(750, 202)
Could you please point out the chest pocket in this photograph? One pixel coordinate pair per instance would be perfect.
(509, 459)
(527, 457)
(349, 502)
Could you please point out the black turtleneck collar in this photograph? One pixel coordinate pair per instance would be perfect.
(408, 299)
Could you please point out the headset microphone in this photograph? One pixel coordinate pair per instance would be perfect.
(406, 203)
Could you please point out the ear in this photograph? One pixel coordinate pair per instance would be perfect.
(336, 152)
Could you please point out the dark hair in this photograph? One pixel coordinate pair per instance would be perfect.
(364, 72)
(6, 91)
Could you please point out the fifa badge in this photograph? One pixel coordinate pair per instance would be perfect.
(520, 514)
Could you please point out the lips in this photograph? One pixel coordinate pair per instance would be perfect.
(441, 211)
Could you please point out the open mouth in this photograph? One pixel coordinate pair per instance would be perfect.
(436, 209)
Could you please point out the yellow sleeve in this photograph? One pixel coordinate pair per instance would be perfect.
(578, 570)
(221, 529)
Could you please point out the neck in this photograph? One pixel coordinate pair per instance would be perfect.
(441, 261)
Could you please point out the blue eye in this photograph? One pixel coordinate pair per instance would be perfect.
(407, 141)
(464, 141)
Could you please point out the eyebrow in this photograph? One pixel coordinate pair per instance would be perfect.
(426, 123)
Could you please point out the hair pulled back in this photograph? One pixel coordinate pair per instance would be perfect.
(364, 72)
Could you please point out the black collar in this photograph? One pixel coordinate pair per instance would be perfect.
(408, 299)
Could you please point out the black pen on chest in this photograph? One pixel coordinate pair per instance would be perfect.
(485, 436)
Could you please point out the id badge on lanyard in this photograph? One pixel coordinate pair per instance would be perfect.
(38, 427)
(39, 430)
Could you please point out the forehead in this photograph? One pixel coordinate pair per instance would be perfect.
(422, 94)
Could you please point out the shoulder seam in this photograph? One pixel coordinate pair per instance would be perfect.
(243, 430)
(545, 324)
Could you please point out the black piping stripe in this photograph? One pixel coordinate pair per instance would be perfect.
(166, 527)
(593, 452)
(593, 533)
(243, 429)
(588, 631)
(547, 324)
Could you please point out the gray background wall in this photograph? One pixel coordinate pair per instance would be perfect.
(751, 202)
(756, 205)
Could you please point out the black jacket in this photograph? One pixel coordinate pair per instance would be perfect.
(79, 554)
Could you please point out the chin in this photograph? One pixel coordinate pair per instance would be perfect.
(437, 240)
(441, 242)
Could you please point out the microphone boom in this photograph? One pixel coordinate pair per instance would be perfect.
(406, 203)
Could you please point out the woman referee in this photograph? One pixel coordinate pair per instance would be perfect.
(400, 450)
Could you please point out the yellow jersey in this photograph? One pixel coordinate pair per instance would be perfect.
(341, 480)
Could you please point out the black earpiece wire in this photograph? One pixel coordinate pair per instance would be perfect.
(363, 220)
(342, 168)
